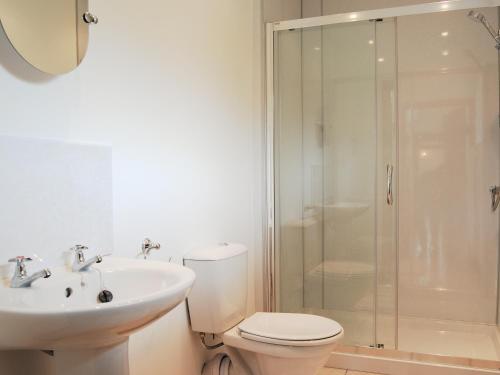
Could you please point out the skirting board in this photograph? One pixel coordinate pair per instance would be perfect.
(391, 366)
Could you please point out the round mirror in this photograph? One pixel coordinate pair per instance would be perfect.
(52, 35)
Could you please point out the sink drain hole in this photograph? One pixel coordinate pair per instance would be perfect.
(68, 292)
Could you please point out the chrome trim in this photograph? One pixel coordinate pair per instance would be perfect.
(495, 197)
(366, 15)
(147, 246)
(21, 278)
(90, 18)
(269, 251)
(390, 171)
(80, 264)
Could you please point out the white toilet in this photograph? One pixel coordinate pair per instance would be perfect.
(266, 343)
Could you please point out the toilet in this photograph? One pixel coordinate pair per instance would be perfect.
(262, 344)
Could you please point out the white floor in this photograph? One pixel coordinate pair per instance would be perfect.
(419, 335)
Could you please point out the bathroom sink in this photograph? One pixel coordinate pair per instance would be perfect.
(65, 313)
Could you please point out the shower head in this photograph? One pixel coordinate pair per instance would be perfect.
(479, 17)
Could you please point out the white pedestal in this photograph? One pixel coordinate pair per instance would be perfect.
(111, 360)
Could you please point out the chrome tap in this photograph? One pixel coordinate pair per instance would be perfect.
(80, 264)
(147, 246)
(21, 278)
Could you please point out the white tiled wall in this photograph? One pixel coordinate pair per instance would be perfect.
(54, 195)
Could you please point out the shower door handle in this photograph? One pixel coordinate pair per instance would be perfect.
(390, 171)
(495, 197)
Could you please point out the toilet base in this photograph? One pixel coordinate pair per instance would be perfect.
(216, 365)
(270, 359)
(268, 365)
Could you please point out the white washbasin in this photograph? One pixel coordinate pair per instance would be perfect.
(63, 312)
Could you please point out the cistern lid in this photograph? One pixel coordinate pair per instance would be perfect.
(268, 327)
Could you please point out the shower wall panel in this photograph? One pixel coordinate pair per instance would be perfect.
(448, 159)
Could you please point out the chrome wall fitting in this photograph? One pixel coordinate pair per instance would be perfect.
(90, 18)
(147, 246)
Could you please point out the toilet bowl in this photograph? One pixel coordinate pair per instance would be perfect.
(288, 344)
(264, 343)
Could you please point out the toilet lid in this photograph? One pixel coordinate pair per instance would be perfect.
(289, 327)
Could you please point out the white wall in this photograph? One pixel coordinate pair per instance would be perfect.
(276, 10)
(174, 87)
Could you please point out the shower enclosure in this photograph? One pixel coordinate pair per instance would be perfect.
(383, 144)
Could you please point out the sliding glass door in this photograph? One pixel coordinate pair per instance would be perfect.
(334, 182)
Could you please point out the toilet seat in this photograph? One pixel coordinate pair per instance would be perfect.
(289, 329)
(233, 339)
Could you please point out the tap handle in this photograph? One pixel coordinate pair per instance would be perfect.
(79, 249)
(147, 246)
(20, 265)
(20, 259)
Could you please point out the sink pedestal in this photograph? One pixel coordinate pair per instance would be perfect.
(111, 360)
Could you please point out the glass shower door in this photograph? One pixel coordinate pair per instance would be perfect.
(331, 157)
(349, 208)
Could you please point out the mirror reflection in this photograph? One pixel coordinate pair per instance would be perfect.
(51, 35)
